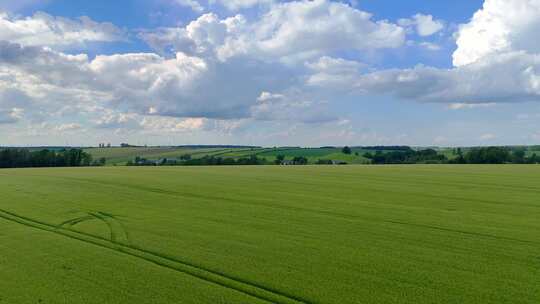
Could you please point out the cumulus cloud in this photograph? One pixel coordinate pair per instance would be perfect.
(42, 29)
(305, 28)
(68, 127)
(134, 81)
(213, 69)
(10, 115)
(329, 71)
(500, 26)
(288, 31)
(494, 64)
(193, 4)
(206, 36)
(235, 5)
(512, 77)
(487, 137)
(280, 107)
(283, 66)
(424, 25)
(462, 106)
(430, 46)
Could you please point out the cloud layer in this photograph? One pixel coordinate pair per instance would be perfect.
(288, 65)
(42, 29)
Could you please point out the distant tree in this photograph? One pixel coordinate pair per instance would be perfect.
(300, 160)
(22, 158)
(346, 150)
(324, 162)
(488, 155)
(185, 157)
(519, 156)
(86, 159)
(279, 159)
(533, 159)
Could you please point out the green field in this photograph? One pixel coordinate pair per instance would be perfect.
(120, 156)
(271, 234)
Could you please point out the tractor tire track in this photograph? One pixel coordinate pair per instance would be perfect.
(119, 226)
(483, 235)
(76, 221)
(243, 286)
(117, 232)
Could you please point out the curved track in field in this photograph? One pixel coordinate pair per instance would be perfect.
(117, 231)
(117, 244)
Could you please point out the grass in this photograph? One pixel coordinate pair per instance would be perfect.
(120, 156)
(271, 234)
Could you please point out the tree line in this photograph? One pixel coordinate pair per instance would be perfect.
(25, 158)
(480, 155)
(410, 156)
(494, 155)
(186, 160)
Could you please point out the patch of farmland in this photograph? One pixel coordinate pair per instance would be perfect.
(271, 234)
(123, 155)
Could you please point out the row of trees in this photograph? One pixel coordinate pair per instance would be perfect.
(24, 158)
(482, 155)
(494, 155)
(427, 156)
(297, 160)
(204, 161)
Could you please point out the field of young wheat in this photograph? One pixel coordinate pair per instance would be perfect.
(271, 234)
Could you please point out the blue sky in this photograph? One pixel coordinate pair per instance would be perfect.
(267, 72)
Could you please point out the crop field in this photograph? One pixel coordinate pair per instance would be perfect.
(117, 155)
(120, 156)
(271, 234)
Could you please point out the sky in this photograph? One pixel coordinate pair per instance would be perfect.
(270, 72)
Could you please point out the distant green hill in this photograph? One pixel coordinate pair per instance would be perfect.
(120, 156)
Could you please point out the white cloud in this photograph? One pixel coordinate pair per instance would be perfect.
(487, 137)
(131, 81)
(307, 28)
(10, 115)
(329, 71)
(461, 106)
(500, 26)
(280, 67)
(193, 4)
(513, 77)
(294, 108)
(206, 36)
(68, 127)
(424, 25)
(430, 46)
(167, 124)
(497, 61)
(235, 5)
(42, 29)
(289, 31)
